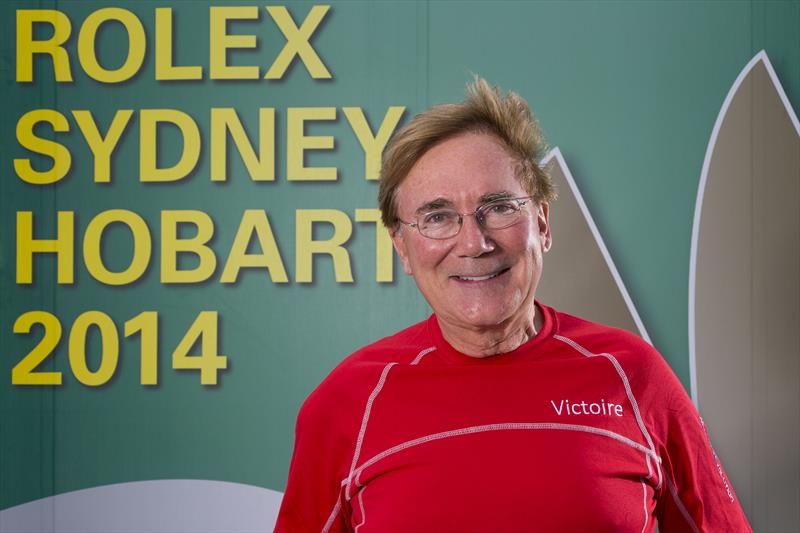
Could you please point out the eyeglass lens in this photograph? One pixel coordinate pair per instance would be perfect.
(446, 223)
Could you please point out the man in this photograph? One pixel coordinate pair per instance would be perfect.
(497, 413)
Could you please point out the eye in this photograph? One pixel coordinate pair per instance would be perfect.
(438, 218)
(500, 208)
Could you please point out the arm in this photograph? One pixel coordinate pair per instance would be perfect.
(313, 499)
(325, 441)
(696, 493)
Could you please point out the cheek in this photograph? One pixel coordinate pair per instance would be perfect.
(530, 255)
(427, 254)
(528, 246)
(534, 242)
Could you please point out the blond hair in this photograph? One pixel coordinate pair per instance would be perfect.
(484, 110)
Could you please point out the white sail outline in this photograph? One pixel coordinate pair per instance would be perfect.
(556, 154)
(698, 206)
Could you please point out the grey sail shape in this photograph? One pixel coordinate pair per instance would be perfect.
(579, 276)
(744, 300)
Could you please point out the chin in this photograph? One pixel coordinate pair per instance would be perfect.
(486, 317)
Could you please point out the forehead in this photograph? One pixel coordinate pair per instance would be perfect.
(460, 170)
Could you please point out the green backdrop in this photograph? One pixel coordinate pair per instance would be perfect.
(629, 91)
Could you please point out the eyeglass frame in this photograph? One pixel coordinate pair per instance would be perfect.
(521, 201)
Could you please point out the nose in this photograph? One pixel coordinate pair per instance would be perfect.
(472, 240)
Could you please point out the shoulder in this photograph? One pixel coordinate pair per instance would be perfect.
(600, 338)
(638, 361)
(401, 348)
(347, 387)
(644, 373)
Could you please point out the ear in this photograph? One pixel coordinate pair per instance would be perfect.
(543, 222)
(398, 241)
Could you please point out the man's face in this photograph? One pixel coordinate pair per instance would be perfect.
(462, 173)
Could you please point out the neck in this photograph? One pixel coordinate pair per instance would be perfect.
(494, 340)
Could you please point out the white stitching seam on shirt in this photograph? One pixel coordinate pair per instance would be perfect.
(628, 391)
(361, 505)
(494, 427)
(422, 354)
(364, 421)
(679, 504)
(646, 512)
(332, 516)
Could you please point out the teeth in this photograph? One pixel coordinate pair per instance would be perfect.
(478, 278)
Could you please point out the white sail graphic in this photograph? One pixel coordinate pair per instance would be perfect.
(744, 296)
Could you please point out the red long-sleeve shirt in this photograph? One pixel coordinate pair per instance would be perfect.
(582, 428)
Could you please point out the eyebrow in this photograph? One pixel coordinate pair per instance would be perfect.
(500, 195)
(439, 203)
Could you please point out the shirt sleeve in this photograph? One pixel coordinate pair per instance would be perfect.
(696, 494)
(325, 435)
(313, 501)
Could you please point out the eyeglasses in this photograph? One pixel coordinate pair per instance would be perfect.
(446, 223)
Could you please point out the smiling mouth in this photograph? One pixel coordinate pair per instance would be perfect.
(482, 278)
